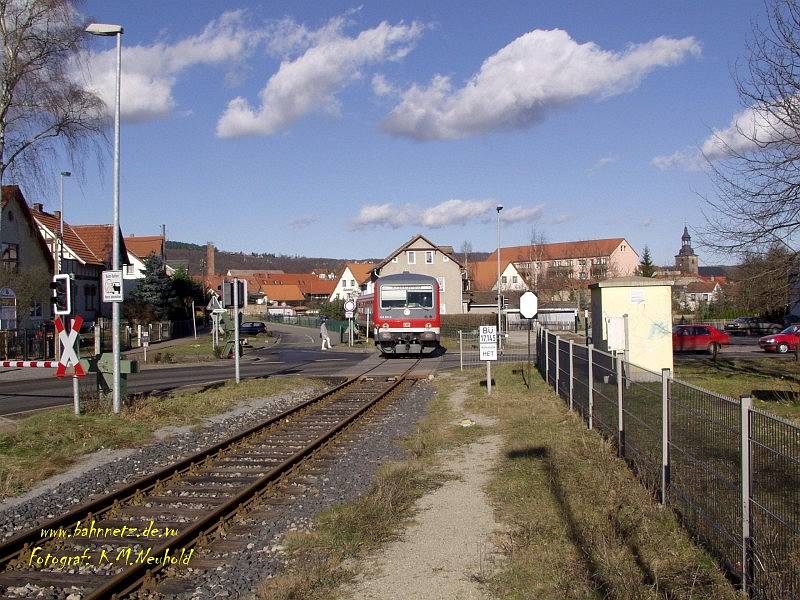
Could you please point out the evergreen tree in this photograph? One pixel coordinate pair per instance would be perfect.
(646, 267)
(155, 294)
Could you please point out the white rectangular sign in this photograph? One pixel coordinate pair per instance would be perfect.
(488, 342)
(112, 286)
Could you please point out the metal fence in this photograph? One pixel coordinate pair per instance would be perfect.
(730, 471)
(27, 344)
(511, 349)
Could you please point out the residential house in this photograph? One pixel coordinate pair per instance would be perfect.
(483, 277)
(420, 255)
(78, 259)
(23, 252)
(695, 293)
(100, 240)
(140, 247)
(349, 283)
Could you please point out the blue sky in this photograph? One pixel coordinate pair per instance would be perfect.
(336, 129)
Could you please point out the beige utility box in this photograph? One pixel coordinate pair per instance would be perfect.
(634, 315)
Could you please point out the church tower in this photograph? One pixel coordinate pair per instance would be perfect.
(686, 260)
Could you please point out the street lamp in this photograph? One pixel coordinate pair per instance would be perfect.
(499, 207)
(103, 29)
(61, 224)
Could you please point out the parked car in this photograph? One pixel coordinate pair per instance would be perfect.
(698, 338)
(781, 342)
(751, 326)
(253, 327)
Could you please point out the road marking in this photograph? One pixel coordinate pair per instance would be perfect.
(329, 359)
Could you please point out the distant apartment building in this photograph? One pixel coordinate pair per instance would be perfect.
(585, 260)
(421, 256)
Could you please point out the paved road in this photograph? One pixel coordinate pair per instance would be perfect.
(295, 353)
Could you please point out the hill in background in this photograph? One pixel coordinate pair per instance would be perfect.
(193, 256)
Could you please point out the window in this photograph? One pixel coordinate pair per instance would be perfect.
(443, 308)
(428, 257)
(411, 258)
(420, 296)
(9, 257)
(352, 283)
(130, 270)
(441, 281)
(445, 258)
(394, 260)
(503, 279)
(513, 279)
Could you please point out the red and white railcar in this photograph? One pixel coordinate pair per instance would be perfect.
(402, 314)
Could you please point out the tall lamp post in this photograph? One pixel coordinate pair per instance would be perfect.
(60, 267)
(499, 319)
(115, 30)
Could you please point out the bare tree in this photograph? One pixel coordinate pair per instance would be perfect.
(42, 107)
(757, 176)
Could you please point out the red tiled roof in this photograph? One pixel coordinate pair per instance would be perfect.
(701, 287)
(282, 292)
(483, 275)
(145, 245)
(557, 251)
(98, 239)
(361, 271)
(12, 192)
(71, 239)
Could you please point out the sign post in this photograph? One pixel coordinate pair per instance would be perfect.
(144, 338)
(488, 351)
(528, 307)
(8, 308)
(349, 307)
(236, 328)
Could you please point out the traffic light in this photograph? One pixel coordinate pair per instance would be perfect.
(62, 294)
(227, 293)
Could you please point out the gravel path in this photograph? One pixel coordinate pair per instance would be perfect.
(448, 550)
(100, 471)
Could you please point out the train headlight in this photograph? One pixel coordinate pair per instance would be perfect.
(427, 325)
(385, 326)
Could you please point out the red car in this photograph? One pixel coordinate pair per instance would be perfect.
(698, 338)
(781, 342)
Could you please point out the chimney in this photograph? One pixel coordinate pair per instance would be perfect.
(57, 214)
(211, 270)
(38, 207)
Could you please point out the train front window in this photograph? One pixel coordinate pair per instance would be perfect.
(408, 297)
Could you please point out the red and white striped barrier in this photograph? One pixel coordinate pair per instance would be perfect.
(69, 358)
(42, 364)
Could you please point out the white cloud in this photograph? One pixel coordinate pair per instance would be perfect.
(388, 215)
(515, 88)
(381, 87)
(455, 212)
(602, 162)
(301, 222)
(328, 62)
(449, 212)
(562, 218)
(518, 214)
(747, 131)
(150, 72)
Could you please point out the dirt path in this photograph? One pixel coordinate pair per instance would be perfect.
(447, 551)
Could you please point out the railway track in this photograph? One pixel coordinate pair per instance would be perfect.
(136, 536)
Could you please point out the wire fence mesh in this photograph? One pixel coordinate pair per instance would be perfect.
(747, 512)
(775, 506)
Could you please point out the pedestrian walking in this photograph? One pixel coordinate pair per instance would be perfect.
(323, 333)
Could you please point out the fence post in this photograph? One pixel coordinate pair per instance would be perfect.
(747, 551)
(665, 434)
(589, 353)
(555, 383)
(139, 335)
(620, 412)
(546, 357)
(98, 338)
(461, 349)
(571, 345)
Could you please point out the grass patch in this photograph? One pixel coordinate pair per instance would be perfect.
(321, 559)
(580, 524)
(198, 350)
(773, 382)
(48, 443)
